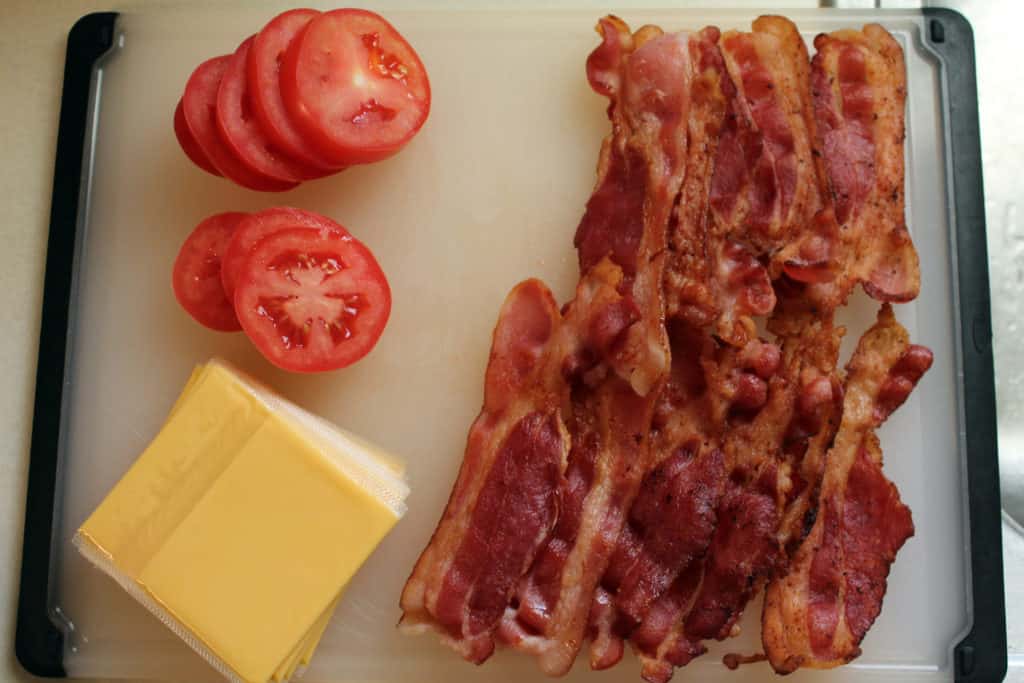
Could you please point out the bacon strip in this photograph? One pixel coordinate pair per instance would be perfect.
(505, 500)
(766, 186)
(688, 273)
(859, 87)
(646, 76)
(519, 433)
(766, 189)
(818, 612)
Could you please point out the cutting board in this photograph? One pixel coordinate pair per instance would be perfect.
(489, 193)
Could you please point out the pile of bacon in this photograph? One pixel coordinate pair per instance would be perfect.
(647, 461)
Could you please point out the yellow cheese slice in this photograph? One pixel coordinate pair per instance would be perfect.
(242, 522)
(303, 652)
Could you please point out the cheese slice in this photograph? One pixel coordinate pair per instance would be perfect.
(241, 524)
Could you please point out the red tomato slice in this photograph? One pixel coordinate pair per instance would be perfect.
(196, 276)
(200, 107)
(241, 131)
(188, 143)
(354, 86)
(312, 299)
(255, 227)
(264, 68)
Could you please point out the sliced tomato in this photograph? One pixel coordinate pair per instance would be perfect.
(196, 275)
(241, 131)
(255, 227)
(354, 86)
(200, 107)
(312, 299)
(264, 74)
(188, 143)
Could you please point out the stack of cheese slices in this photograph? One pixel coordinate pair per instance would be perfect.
(242, 523)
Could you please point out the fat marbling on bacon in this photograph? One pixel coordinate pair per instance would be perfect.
(646, 461)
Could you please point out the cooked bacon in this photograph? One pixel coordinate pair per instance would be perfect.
(645, 567)
(660, 641)
(517, 441)
(765, 186)
(685, 419)
(556, 596)
(712, 274)
(742, 553)
(644, 462)
(744, 549)
(675, 514)
(818, 612)
(769, 469)
(673, 519)
(646, 76)
(859, 87)
(688, 273)
(770, 481)
(814, 340)
(505, 500)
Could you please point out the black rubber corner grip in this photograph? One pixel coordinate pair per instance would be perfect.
(38, 642)
(981, 656)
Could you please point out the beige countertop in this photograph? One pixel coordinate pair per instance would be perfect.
(31, 66)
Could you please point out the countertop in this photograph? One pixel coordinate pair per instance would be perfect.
(31, 66)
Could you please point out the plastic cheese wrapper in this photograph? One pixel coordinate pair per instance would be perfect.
(242, 523)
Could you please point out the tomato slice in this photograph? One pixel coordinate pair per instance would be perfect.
(188, 143)
(264, 72)
(312, 299)
(241, 131)
(255, 227)
(196, 275)
(354, 86)
(200, 107)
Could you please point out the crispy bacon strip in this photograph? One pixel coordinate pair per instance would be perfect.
(765, 186)
(859, 87)
(818, 612)
(505, 500)
(518, 437)
(646, 76)
(688, 273)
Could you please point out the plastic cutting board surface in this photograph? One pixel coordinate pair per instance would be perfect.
(488, 194)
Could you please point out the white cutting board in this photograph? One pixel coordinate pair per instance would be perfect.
(489, 193)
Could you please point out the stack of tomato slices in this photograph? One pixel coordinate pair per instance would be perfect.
(309, 95)
(308, 294)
